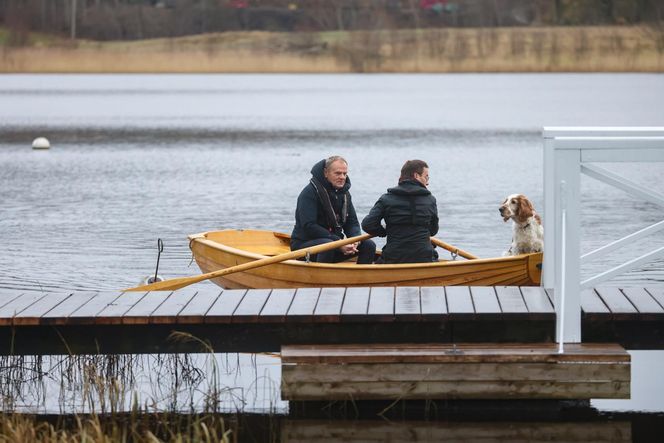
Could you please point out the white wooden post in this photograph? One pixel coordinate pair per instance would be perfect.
(549, 263)
(567, 176)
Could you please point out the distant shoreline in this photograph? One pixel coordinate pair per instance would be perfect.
(522, 49)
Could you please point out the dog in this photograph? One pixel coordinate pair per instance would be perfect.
(527, 230)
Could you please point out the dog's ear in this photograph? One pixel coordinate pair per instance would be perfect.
(524, 209)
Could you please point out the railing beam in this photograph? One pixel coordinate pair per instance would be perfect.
(619, 182)
(628, 240)
(621, 269)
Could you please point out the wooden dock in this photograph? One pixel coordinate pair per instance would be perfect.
(454, 371)
(264, 320)
(365, 431)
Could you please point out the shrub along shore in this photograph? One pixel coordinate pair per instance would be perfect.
(521, 49)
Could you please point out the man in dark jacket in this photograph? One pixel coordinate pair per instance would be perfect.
(411, 217)
(325, 213)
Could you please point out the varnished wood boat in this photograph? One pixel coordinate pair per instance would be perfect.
(216, 250)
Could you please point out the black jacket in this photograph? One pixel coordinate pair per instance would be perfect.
(411, 217)
(311, 221)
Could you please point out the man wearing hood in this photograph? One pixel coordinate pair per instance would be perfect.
(411, 217)
(325, 213)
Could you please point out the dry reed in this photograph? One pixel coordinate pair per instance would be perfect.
(524, 49)
(21, 428)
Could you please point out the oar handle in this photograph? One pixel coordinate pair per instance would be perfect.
(177, 283)
(453, 249)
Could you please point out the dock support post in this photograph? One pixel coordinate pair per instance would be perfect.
(562, 178)
(567, 174)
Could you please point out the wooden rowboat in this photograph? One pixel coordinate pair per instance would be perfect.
(216, 250)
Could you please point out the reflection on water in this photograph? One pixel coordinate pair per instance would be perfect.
(184, 383)
(380, 431)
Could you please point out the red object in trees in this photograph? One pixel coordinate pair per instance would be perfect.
(429, 4)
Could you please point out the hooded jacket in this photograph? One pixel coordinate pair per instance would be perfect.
(411, 217)
(312, 221)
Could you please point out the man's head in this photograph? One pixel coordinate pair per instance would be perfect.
(336, 171)
(415, 170)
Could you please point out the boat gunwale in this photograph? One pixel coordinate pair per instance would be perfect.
(201, 238)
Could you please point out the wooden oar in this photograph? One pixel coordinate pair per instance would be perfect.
(453, 249)
(177, 283)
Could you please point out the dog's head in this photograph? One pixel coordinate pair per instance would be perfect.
(516, 207)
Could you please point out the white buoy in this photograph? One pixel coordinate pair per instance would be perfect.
(41, 143)
(150, 279)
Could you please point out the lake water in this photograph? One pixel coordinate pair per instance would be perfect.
(140, 157)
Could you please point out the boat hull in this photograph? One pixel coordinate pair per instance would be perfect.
(217, 250)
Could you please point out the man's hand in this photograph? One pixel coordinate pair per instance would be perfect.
(349, 249)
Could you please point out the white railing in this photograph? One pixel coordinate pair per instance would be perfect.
(569, 152)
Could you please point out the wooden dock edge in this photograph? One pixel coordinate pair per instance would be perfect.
(323, 431)
(455, 371)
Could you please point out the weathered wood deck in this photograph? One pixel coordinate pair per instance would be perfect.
(454, 371)
(263, 320)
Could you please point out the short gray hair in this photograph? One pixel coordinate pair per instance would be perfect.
(334, 158)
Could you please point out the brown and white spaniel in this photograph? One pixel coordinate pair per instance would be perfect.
(527, 231)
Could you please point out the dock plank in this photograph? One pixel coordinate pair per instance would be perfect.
(60, 313)
(459, 300)
(8, 295)
(643, 301)
(140, 313)
(222, 310)
(33, 313)
(356, 304)
(381, 302)
(453, 352)
(113, 312)
(168, 311)
(511, 300)
(329, 305)
(454, 390)
(536, 299)
(616, 300)
(251, 305)
(18, 304)
(552, 299)
(657, 293)
(277, 305)
(407, 303)
(199, 305)
(93, 307)
(485, 300)
(304, 304)
(434, 304)
(591, 303)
